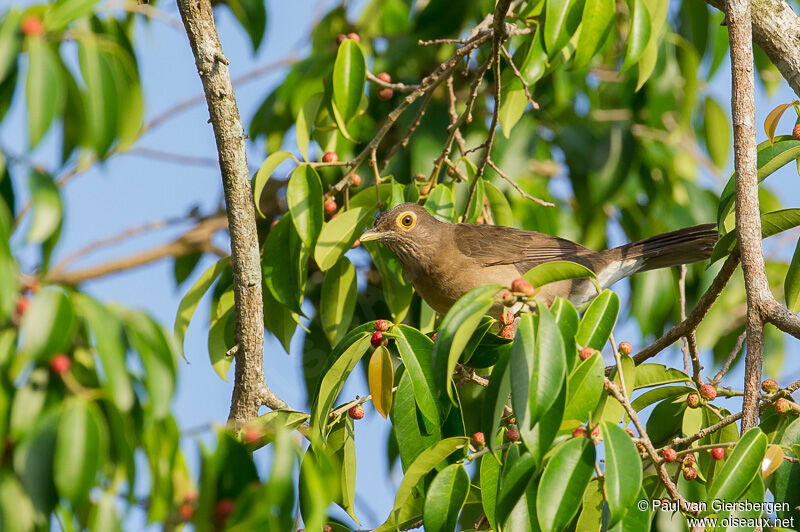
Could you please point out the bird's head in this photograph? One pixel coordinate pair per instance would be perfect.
(406, 230)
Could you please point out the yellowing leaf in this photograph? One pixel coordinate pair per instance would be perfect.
(774, 116)
(772, 460)
(381, 380)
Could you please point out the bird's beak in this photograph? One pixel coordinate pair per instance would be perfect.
(373, 234)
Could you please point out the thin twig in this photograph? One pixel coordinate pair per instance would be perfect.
(519, 75)
(399, 87)
(522, 193)
(729, 360)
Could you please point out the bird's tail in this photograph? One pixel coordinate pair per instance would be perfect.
(684, 246)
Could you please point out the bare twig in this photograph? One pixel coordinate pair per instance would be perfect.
(519, 75)
(689, 340)
(729, 360)
(399, 87)
(514, 184)
(451, 109)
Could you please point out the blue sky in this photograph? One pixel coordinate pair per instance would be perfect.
(129, 190)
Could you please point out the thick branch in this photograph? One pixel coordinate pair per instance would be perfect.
(212, 66)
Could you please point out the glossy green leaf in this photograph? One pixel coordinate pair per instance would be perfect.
(17, 513)
(252, 15)
(279, 320)
(103, 516)
(455, 331)
(568, 321)
(659, 394)
(563, 482)
(562, 18)
(613, 411)
(29, 400)
(342, 443)
(539, 439)
(717, 132)
(192, 298)
(338, 300)
(158, 354)
(559, 270)
(498, 204)
(219, 338)
(424, 464)
(285, 264)
(539, 341)
(517, 472)
(791, 286)
(9, 269)
(44, 89)
(63, 12)
(304, 199)
(381, 380)
(647, 63)
(264, 172)
(80, 449)
(33, 462)
(772, 223)
(595, 25)
(349, 75)
(305, 122)
(585, 388)
(490, 486)
(397, 291)
(101, 98)
(496, 396)
(339, 234)
(445, 497)
(47, 208)
(513, 102)
(740, 468)
(415, 352)
(441, 204)
(411, 430)
(48, 324)
(639, 32)
(649, 374)
(10, 41)
(774, 116)
(623, 471)
(598, 321)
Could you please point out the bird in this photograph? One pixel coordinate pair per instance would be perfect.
(443, 260)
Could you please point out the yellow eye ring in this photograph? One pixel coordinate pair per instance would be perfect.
(407, 220)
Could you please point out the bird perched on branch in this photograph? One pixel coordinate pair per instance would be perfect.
(444, 261)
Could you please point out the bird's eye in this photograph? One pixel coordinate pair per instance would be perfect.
(407, 220)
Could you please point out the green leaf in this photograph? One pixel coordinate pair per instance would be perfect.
(740, 468)
(791, 286)
(64, 12)
(772, 223)
(557, 270)
(595, 25)
(455, 331)
(33, 462)
(342, 442)
(192, 298)
(562, 18)
(517, 472)
(563, 482)
(339, 234)
(305, 122)
(774, 116)
(80, 449)
(220, 337)
(252, 15)
(159, 358)
(349, 75)
(10, 41)
(333, 381)
(103, 516)
(648, 375)
(538, 342)
(424, 463)
(445, 497)
(441, 204)
(48, 324)
(285, 264)
(623, 472)
(16, 510)
(397, 292)
(614, 411)
(490, 485)
(279, 320)
(495, 398)
(585, 388)
(647, 63)
(264, 172)
(304, 199)
(47, 208)
(540, 438)
(415, 352)
(101, 99)
(658, 394)
(598, 321)
(567, 319)
(513, 102)
(381, 380)
(638, 34)
(411, 430)
(44, 89)
(716, 131)
(498, 204)
(770, 158)
(338, 300)
(28, 402)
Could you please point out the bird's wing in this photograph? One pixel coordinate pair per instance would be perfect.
(492, 245)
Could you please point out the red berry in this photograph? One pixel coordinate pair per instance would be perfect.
(708, 392)
(354, 36)
(641, 448)
(356, 243)
(386, 78)
(522, 286)
(420, 177)
(434, 336)
(690, 473)
(252, 436)
(507, 332)
(693, 400)
(186, 512)
(507, 318)
(60, 364)
(356, 412)
(340, 38)
(510, 420)
(355, 179)
(769, 386)
(625, 348)
(223, 510)
(595, 431)
(424, 191)
(382, 325)
(508, 298)
(22, 305)
(579, 432)
(669, 455)
(377, 339)
(330, 207)
(796, 132)
(480, 221)
(782, 405)
(478, 439)
(385, 94)
(630, 433)
(717, 453)
(512, 435)
(327, 528)
(32, 26)
(586, 352)
(688, 460)
(330, 157)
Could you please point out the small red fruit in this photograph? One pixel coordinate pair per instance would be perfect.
(386, 78)
(688, 460)
(669, 455)
(382, 325)
(690, 473)
(507, 332)
(579, 432)
(595, 431)
(522, 286)
(356, 412)
(630, 433)
(693, 400)
(355, 179)
(625, 348)
(186, 512)
(252, 436)
(434, 336)
(340, 38)
(354, 36)
(507, 318)
(508, 298)
(60, 364)
(377, 339)
(717, 453)
(424, 191)
(330, 207)
(708, 392)
(385, 94)
(327, 528)
(22, 305)
(356, 244)
(479, 439)
(512, 435)
(796, 132)
(32, 26)
(510, 420)
(782, 405)
(586, 352)
(480, 221)
(420, 177)
(769, 386)
(330, 157)
(223, 510)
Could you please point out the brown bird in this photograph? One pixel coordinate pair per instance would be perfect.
(443, 261)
